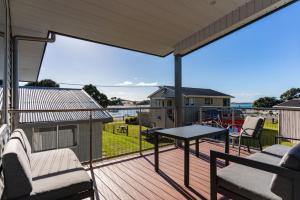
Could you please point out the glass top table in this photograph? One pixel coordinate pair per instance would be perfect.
(188, 133)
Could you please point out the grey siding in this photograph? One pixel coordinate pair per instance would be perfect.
(289, 123)
(82, 149)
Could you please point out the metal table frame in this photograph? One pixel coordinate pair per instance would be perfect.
(187, 149)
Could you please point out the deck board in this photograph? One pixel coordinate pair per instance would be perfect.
(135, 178)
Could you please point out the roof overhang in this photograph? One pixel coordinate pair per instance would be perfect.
(154, 27)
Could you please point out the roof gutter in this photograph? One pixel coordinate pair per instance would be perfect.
(36, 39)
(15, 69)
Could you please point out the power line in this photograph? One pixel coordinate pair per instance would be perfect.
(116, 86)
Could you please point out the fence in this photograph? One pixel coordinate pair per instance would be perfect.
(91, 139)
(88, 136)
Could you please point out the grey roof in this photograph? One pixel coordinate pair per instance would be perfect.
(41, 98)
(290, 103)
(187, 91)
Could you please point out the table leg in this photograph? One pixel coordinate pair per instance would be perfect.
(156, 161)
(227, 146)
(197, 147)
(186, 163)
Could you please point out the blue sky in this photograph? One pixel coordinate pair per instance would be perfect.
(262, 59)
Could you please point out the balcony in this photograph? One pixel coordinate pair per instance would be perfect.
(133, 177)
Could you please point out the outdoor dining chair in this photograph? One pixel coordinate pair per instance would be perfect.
(251, 130)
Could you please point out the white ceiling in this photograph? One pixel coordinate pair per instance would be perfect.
(150, 26)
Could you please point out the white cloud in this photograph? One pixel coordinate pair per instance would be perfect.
(126, 83)
(147, 84)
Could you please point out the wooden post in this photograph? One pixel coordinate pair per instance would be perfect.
(200, 115)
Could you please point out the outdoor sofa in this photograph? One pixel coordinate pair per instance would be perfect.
(272, 174)
(54, 174)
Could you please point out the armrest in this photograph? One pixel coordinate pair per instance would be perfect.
(292, 174)
(236, 125)
(287, 138)
(244, 131)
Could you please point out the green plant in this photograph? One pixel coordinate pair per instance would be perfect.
(132, 120)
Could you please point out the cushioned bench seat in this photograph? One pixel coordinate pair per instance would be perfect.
(250, 182)
(54, 174)
(57, 173)
(247, 181)
(277, 150)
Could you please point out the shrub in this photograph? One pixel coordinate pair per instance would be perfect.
(132, 120)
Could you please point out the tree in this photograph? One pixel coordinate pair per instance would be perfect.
(43, 83)
(96, 95)
(266, 102)
(290, 94)
(114, 101)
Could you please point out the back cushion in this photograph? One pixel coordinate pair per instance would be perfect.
(16, 170)
(252, 124)
(20, 135)
(284, 187)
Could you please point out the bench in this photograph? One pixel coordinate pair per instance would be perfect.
(54, 174)
(272, 174)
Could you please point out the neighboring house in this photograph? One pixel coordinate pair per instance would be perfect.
(192, 100)
(52, 130)
(289, 118)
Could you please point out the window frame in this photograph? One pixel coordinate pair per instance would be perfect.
(57, 136)
(228, 102)
(211, 101)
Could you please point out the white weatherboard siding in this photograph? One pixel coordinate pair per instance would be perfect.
(289, 123)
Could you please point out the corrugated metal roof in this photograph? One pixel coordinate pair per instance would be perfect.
(33, 98)
(195, 92)
(290, 103)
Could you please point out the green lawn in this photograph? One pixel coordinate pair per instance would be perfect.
(115, 143)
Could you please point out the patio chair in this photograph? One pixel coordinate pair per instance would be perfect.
(54, 174)
(251, 130)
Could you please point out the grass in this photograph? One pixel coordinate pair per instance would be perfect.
(115, 143)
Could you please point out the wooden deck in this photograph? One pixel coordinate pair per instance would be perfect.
(135, 178)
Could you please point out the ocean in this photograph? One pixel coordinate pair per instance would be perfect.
(241, 105)
(125, 113)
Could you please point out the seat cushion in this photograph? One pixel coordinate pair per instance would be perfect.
(58, 174)
(247, 181)
(16, 170)
(285, 187)
(20, 135)
(277, 150)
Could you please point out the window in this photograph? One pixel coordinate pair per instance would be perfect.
(46, 138)
(226, 102)
(67, 136)
(186, 101)
(191, 101)
(208, 101)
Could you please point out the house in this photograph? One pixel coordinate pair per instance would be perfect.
(192, 100)
(289, 118)
(54, 130)
(165, 97)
